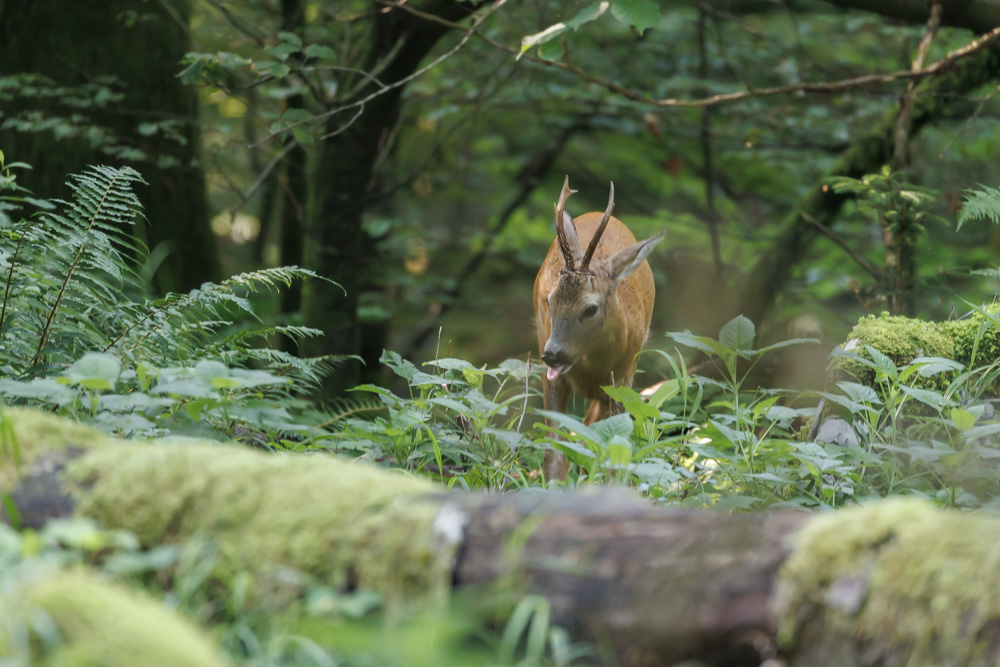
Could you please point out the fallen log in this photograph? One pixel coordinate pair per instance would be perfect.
(892, 583)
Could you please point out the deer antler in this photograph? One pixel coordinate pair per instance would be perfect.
(585, 264)
(564, 244)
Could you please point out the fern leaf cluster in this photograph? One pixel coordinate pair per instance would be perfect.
(981, 204)
(65, 272)
(70, 293)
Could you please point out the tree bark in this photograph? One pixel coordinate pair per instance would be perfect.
(295, 185)
(76, 43)
(338, 248)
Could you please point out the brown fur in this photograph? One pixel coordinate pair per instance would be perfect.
(607, 354)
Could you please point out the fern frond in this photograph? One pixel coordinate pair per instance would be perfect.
(981, 204)
(349, 407)
(68, 269)
(305, 372)
(217, 301)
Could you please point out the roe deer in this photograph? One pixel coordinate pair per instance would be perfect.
(592, 311)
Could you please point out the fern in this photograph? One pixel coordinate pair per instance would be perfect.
(982, 204)
(70, 293)
(67, 271)
(179, 326)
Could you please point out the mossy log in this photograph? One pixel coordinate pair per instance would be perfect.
(893, 583)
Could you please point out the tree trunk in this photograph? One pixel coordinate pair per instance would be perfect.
(338, 248)
(893, 583)
(75, 44)
(294, 191)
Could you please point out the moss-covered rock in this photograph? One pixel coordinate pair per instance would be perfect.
(76, 618)
(977, 339)
(972, 341)
(902, 339)
(890, 584)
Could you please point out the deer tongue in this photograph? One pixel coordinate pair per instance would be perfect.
(553, 373)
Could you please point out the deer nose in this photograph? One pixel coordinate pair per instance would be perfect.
(553, 358)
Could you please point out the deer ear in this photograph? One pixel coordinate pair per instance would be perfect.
(569, 229)
(624, 263)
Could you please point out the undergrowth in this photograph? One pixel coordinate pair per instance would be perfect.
(80, 335)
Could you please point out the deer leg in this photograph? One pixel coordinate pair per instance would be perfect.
(602, 408)
(555, 396)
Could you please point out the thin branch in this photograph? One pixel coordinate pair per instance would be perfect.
(476, 22)
(265, 172)
(904, 120)
(810, 87)
(969, 120)
(706, 150)
(820, 227)
(258, 40)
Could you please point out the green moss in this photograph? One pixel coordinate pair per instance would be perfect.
(900, 338)
(973, 341)
(899, 580)
(347, 525)
(975, 334)
(99, 623)
(36, 432)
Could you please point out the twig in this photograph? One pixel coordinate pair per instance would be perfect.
(820, 227)
(725, 98)
(817, 417)
(476, 22)
(706, 150)
(908, 97)
(969, 120)
(524, 408)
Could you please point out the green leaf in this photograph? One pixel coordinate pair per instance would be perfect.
(667, 390)
(738, 334)
(632, 401)
(617, 426)
(926, 396)
(572, 425)
(928, 366)
(319, 51)
(735, 502)
(788, 343)
(859, 392)
(620, 452)
(707, 345)
(883, 364)
(552, 50)
(642, 14)
(585, 15)
(281, 51)
(981, 204)
(95, 370)
(963, 419)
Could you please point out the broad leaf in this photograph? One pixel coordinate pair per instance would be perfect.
(643, 14)
(738, 334)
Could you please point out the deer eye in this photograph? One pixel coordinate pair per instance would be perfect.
(589, 312)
